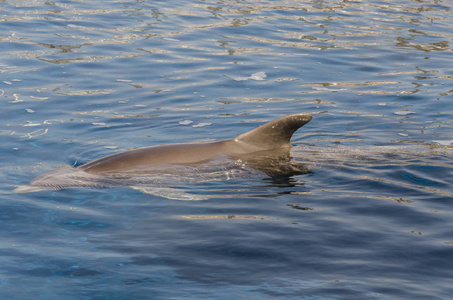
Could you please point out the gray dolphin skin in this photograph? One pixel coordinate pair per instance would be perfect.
(260, 148)
(270, 136)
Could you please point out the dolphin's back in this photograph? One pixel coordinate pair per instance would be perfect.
(270, 136)
(139, 158)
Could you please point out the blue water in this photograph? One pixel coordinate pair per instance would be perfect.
(79, 80)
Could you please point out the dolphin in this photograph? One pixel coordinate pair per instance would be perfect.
(260, 148)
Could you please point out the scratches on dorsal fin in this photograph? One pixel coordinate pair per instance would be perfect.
(275, 134)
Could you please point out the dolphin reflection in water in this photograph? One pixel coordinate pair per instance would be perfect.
(262, 151)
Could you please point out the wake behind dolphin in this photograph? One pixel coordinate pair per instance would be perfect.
(263, 150)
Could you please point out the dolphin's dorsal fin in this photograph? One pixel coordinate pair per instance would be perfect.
(275, 134)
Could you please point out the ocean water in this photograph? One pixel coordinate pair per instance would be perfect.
(372, 220)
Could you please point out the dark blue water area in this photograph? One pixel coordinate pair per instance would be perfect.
(371, 220)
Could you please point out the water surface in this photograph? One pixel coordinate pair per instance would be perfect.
(80, 80)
